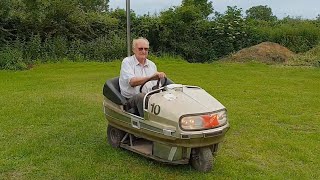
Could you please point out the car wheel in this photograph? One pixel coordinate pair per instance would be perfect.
(114, 136)
(202, 159)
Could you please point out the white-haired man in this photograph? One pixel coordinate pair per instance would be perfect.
(135, 71)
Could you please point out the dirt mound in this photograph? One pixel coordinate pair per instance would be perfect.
(266, 52)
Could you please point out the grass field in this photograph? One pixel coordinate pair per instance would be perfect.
(52, 124)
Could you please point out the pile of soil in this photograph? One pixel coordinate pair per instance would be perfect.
(267, 52)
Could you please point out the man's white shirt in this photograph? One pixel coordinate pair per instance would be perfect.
(130, 68)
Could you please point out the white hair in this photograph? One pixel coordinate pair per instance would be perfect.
(135, 41)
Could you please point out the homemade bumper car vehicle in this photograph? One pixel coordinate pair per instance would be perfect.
(181, 124)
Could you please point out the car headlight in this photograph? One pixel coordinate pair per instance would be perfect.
(203, 121)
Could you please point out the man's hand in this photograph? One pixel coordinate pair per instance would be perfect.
(136, 81)
(158, 75)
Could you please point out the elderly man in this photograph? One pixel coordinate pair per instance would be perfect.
(135, 71)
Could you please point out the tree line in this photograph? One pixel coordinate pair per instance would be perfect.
(50, 30)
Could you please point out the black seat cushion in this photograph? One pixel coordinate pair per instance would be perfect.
(111, 90)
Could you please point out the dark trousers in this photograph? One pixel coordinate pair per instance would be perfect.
(136, 102)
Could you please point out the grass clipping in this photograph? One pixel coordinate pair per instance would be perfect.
(266, 52)
(309, 58)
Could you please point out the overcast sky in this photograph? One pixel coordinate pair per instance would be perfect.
(308, 9)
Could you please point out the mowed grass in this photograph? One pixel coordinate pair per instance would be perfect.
(52, 124)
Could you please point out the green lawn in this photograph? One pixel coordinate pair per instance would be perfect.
(52, 124)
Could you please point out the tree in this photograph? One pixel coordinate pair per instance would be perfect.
(73, 19)
(94, 5)
(263, 13)
(183, 30)
(229, 32)
(121, 16)
(4, 9)
(204, 6)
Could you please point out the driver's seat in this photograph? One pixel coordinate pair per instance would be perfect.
(111, 90)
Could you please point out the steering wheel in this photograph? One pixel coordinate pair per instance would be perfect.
(156, 86)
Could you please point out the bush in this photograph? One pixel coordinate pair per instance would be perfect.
(74, 51)
(229, 32)
(104, 48)
(12, 59)
(297, 35)
(33, 48)
(309, 58)
(77, 30)
(22, 53)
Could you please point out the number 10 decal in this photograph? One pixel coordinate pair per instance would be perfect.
(155, 109)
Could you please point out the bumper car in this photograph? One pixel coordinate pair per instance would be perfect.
(181, 124)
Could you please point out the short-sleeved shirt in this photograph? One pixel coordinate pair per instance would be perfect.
(131, 68)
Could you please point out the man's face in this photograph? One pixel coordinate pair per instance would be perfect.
(141, 50)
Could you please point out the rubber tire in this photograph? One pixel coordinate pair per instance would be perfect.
(114, 136)
(202, 159)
